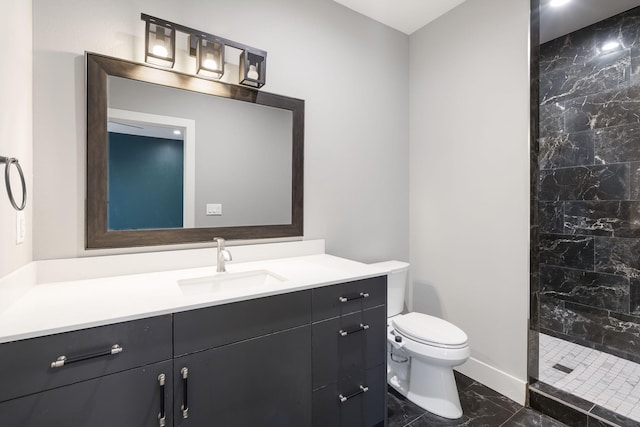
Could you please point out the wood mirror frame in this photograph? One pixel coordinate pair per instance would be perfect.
(98, 235)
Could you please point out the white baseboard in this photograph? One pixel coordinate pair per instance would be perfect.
(505, 384)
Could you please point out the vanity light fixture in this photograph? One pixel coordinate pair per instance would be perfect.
(160, 43)
(252, 67)
(208, 49)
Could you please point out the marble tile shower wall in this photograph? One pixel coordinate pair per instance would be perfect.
(589, 188)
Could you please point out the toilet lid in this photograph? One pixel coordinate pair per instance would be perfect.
(430, 330)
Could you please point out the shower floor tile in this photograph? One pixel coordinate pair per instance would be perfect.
(601, 378)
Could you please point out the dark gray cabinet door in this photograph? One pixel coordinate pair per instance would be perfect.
(341, 345)
(263, 381)
(126, 399)
(357, 408)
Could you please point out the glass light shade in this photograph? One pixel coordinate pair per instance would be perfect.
(160, 42)
(253, 68)
(210, 58)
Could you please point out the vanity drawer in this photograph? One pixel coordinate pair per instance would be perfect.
(225, 324)
(347, 344)
(27, 364)
(346, 404)
(336, 300)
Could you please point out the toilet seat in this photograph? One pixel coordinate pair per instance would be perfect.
(429, 330)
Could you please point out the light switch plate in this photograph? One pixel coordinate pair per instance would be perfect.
(21, 227)
(214, 209)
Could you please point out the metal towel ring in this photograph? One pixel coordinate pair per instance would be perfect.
(8, 162)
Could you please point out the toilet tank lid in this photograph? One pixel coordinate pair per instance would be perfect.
(393, 266)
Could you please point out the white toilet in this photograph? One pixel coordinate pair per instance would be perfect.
(422, 351)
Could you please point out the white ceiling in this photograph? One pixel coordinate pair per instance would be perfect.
(410, 15)
(403, 15)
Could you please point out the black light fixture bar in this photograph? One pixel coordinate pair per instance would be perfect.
(246, 78)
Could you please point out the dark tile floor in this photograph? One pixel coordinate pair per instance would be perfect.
(481, 407)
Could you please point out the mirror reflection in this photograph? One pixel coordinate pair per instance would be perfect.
(185, 159)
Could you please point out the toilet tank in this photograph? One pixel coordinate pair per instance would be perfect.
(396, 285)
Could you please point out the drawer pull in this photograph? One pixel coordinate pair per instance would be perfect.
(362, 327)
(185, 403)
(345, 398)
(64, 360)
(362, 295)
(162, 415)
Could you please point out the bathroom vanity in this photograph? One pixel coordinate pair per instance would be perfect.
(308, 350)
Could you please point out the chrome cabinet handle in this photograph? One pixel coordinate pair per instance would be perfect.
(64, 360)
(360, 296)
(343, 399)
(185, 403)
(362, 327)
(162, 415)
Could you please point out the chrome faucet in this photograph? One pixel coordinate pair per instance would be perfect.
(223, 255)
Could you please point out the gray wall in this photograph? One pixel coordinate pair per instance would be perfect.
(15, 126)
(470, 184)
(351, 71)
(242, 151)
(590, 187)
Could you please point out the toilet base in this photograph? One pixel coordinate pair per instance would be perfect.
(434, 389)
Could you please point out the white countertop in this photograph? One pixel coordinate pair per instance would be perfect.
(49, 308)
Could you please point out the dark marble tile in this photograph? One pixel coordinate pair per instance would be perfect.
(623, 27)
(527, 417)
(600, 73)
(400, 411)
(585, 287)
(478, 410)
(557, 410)
(573, 49)
(604, 109)
(618, 256)
(494, 397)
(562, 150)
(551, 217)
(575, 401)
(462, 381)
(614, 333)
(594, 422)
(553, 316)
(567, 251)
(551, 119)
(611, 417)
(634, 298)
(602, 218)
(634, 181)
(608, 182)
(617, 144)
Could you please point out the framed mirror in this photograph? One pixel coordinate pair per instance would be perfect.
(173, 158)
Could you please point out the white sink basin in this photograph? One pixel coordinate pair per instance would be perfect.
(222, 282)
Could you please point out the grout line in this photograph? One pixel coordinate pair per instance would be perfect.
(512, 415)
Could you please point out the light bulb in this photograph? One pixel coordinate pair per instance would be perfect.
(252, 73)
(160, 50)
(177, 132)
(210, 64)
(558, 3)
